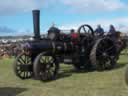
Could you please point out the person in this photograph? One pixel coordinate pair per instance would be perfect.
(99, 30)
(74, 37)
(112, 32)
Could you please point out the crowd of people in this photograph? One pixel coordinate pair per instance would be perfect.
(9, 50)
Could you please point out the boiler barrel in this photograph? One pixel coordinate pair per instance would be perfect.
(49, 46)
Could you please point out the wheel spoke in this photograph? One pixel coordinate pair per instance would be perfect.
(27, 74)
(24, 75)
(25, 57)
(99, 51)
(27, 60)
(88, 31)
(101, 47)
(99, 57)
(20, 72)
(22, 59)
(109, 48)
(19, 61)
(43, 60)
(47, 59)
(84, 29)
(103, 43)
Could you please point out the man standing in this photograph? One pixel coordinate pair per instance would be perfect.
(74, 37)
(112, 32)
(99, 30)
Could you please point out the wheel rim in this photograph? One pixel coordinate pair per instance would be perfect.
(45, 67)
(103, 54)
(48, 67)
(23, 66)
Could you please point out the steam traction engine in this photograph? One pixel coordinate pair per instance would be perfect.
(42, 56)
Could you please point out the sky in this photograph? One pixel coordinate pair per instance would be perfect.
(16, 15)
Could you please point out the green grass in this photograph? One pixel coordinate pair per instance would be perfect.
(70, 83)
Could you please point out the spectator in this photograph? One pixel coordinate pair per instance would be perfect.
(112, 30)
(99, 30)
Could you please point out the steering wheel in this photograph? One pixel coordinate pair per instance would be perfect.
(86, 30)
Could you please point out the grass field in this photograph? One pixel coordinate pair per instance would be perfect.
(69, 83)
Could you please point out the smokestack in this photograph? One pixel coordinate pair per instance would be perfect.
(36, 24)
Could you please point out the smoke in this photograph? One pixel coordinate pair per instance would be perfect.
(5, 29)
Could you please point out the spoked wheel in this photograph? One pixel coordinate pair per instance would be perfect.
(103, 54)
(86, 30)
(45, 67)
(126, 75)
(23, 66)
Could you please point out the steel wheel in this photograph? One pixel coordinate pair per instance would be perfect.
(23, 66)
(45, 67)
(103, 54)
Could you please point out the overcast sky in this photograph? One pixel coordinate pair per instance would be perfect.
(16, 15)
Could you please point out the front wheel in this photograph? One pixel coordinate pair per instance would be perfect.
(23, 66)
(45, 67)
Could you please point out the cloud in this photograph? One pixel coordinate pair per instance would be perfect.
(14, 6)
(121, 24)
(21, 32)
(95, 5)
(5, 29)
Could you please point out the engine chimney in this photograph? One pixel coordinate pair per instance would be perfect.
(36, 24)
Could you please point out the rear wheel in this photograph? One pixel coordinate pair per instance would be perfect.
(103, 54)
(45, 67)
